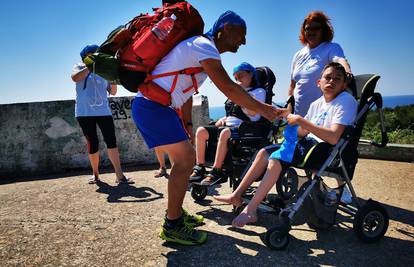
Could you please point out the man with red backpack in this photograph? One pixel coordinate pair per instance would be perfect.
(161, 125)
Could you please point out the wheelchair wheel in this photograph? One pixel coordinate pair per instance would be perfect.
(371, 222)
(287, 184)
(199, 192)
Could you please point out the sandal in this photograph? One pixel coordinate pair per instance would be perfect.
(198, 173)
(125, 180)
(161, 172)
(93, 180)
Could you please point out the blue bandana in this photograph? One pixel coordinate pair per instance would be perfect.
(244, 66)
(227, 17)
(91, 48)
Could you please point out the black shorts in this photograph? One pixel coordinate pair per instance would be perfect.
(105, 123)
(214, 131)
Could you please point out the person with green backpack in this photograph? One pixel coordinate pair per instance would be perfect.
(92, 109)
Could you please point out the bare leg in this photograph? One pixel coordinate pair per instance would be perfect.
(222, 148)
(201, 140)
(113, 154)
(249, 213)
(182, 159)
(258, 167)
(160, 157)
(94, 160)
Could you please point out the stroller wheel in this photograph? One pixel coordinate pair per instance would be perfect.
(287, 184)
(371, 222)
(277, 238)
(198, 192)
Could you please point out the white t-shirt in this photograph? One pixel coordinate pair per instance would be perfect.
(260, 95)
(341, 110)
(186, 54)
(306, 69)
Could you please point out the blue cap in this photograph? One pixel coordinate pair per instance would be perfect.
(244, 66)
(91, 48)
(227, 17)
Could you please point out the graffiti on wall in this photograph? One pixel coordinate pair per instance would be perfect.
(121, 110)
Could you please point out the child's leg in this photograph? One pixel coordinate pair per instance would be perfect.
(222, 148)
(271, 176)
(201, 140)
(256, 169)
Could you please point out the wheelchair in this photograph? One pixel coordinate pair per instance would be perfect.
(370, 218)
(250, 137)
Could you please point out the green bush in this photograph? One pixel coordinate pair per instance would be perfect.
(399, 124)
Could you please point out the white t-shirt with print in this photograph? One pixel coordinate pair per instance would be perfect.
(306, 69)
(260, 95)
(341, 110)
(187, 54)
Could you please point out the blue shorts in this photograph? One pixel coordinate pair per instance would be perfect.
(158, 125)
(301, 149)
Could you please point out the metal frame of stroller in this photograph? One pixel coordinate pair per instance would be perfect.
(370, 218)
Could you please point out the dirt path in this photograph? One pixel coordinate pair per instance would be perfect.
(63, 221)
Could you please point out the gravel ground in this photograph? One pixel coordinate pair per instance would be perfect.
(62, 221)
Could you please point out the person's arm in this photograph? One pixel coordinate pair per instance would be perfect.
(80, 75)
(112, 89)
(235, 92)
(344, 63)
(221, 122)
(330, 135)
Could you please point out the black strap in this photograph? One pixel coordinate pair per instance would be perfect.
(86, 81)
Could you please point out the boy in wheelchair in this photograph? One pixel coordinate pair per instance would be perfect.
(225, 128)
(326, 120)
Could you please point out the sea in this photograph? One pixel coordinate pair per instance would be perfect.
(218, 112)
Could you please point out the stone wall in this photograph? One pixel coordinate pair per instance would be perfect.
(44, 137)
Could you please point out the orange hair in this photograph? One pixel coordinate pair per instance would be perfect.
(323, 20)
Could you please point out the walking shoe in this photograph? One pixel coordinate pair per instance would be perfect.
(192, 220)
(214, 177)
(198, 173)
(183, 234)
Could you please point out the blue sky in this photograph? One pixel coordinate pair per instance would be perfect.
(41, 40)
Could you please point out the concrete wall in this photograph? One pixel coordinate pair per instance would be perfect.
(394, 152)
(42, 138)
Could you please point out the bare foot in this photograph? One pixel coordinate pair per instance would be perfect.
(229, 199)
(244, 218)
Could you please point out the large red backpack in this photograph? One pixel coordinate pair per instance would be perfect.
(135, 49)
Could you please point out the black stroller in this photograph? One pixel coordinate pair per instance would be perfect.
(370, 219)
(251, 137)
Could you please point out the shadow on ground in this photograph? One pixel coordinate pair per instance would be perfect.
(116, 193)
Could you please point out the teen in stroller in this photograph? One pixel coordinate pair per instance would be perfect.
(244, 141)
(319, 201)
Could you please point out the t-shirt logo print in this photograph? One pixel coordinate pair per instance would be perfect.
(319, 119)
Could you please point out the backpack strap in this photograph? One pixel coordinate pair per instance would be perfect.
(188, 71)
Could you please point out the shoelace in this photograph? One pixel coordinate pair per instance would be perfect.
(187, 229)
